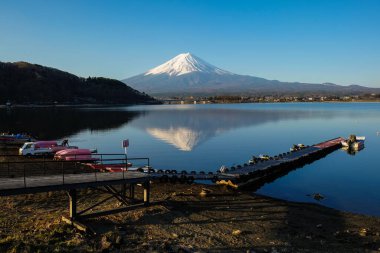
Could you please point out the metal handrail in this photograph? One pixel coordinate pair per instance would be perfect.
(44, 162)
(63, 161)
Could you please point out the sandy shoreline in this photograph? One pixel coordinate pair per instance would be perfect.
(222, 221)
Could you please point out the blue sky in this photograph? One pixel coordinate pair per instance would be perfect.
(308, 41)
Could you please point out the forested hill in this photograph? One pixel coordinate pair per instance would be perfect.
(25, 83)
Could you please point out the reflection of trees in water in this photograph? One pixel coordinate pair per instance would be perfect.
(55, 123)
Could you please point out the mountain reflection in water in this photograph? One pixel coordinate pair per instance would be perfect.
(188, 128)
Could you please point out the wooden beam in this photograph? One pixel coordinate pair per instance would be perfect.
(95, 205)
(132, 191)
(76, 224)
(112, 211)
(123, 191)
(72, 203)
(146, 192)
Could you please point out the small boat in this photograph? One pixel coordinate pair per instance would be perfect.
(296, 147)
(353, 151)
(223, 169)
(264, 157)
(253, 160)
(15, 139)
(354, 142)
(261, 157)
(82, 155)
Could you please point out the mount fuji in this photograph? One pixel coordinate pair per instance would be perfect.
(187, 74)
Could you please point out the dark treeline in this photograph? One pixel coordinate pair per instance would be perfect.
(25, 83)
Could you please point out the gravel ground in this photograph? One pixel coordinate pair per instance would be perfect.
(221, 220)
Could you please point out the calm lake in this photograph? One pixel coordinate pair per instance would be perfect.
(205, 137)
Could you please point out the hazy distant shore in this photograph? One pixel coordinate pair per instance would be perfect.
(155, 103)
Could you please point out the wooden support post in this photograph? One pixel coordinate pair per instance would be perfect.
(146, 192)
(132, 191)
(73, 203)
(123, 191)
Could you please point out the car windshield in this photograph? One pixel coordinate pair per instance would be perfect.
(27, 146)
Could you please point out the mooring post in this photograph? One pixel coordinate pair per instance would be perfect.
(146, 192)
(73, 203)
(132, 191)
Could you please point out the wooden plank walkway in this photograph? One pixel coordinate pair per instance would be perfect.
(21, 185)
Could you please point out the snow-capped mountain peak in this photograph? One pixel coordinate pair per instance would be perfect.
(183, 64)
(187, 74)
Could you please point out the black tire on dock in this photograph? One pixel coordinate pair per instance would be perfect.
(173, 179)
(193, 172)
(202, 173)
(174, 171)
(160, 171)
(190, 179)
(210, 173)
(140, 170)
(182, 179)
(243, 178)
(164, 179)
(167, 171)
(183, 172)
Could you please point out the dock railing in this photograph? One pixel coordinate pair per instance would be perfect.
(15, 166)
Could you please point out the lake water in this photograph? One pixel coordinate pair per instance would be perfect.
(204, 137)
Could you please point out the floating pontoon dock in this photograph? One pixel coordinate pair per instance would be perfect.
(255, 174)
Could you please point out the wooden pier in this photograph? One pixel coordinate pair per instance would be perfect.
(71, 183)
(247, 176)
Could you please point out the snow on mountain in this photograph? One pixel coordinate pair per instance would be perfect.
(184, 64)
